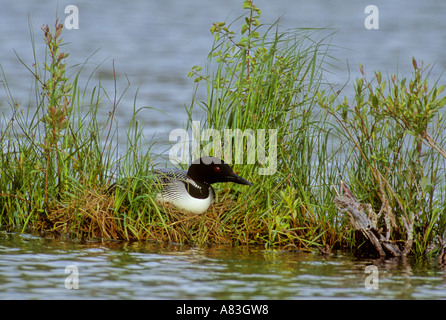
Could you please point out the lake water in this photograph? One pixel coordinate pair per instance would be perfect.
(154, 44)
(35, 268)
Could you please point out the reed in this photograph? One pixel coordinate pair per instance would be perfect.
(57, 160)
(264, 78)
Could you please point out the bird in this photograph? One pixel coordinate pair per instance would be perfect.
(191, 190)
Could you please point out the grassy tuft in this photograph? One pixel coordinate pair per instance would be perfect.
(262, 78)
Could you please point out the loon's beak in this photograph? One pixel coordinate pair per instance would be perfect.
(237, 179)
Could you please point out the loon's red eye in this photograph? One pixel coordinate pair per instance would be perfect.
(217, 169)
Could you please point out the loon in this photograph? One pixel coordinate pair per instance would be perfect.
(191, 191)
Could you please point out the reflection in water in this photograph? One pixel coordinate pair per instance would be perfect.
(32, 267)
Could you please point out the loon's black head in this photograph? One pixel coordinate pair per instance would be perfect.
(212, 170)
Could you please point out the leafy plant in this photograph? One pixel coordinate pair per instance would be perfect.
(386, 125)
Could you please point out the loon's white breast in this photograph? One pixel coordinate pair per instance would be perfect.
(176, 190)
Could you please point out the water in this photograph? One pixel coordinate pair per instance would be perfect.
(153, 44)
(32, 267)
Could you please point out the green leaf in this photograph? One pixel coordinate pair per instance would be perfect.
(425, 185)
(244, 28)
(375, 103)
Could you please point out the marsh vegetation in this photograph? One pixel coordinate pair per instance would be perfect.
(386, 143)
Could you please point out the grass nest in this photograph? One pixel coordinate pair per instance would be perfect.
(89, 216)
(93, 216)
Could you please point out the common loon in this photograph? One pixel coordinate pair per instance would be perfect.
(191, 191)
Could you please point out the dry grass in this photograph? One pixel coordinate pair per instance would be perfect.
(89, 216)
(92, 215)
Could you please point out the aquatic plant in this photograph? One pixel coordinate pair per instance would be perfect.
(379, 144)
(57, 160)
(393, 133)
(264, 78)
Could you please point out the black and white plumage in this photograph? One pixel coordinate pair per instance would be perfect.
(184, 193)
(192, 191)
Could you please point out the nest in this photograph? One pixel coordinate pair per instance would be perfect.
(92, 215)
(89, 216)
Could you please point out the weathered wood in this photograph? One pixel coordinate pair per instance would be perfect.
(347, 203)
(442, 254)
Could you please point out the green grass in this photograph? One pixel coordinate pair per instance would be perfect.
(386, 142)
(262, 78)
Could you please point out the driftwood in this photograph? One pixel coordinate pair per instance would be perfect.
(365, 223)
(442, 255)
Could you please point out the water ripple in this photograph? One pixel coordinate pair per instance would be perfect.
(34, 268)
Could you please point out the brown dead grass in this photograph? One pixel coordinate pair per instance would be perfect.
(92, 215)
(89, 216)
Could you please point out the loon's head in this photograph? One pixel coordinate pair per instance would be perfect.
(211, 170)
